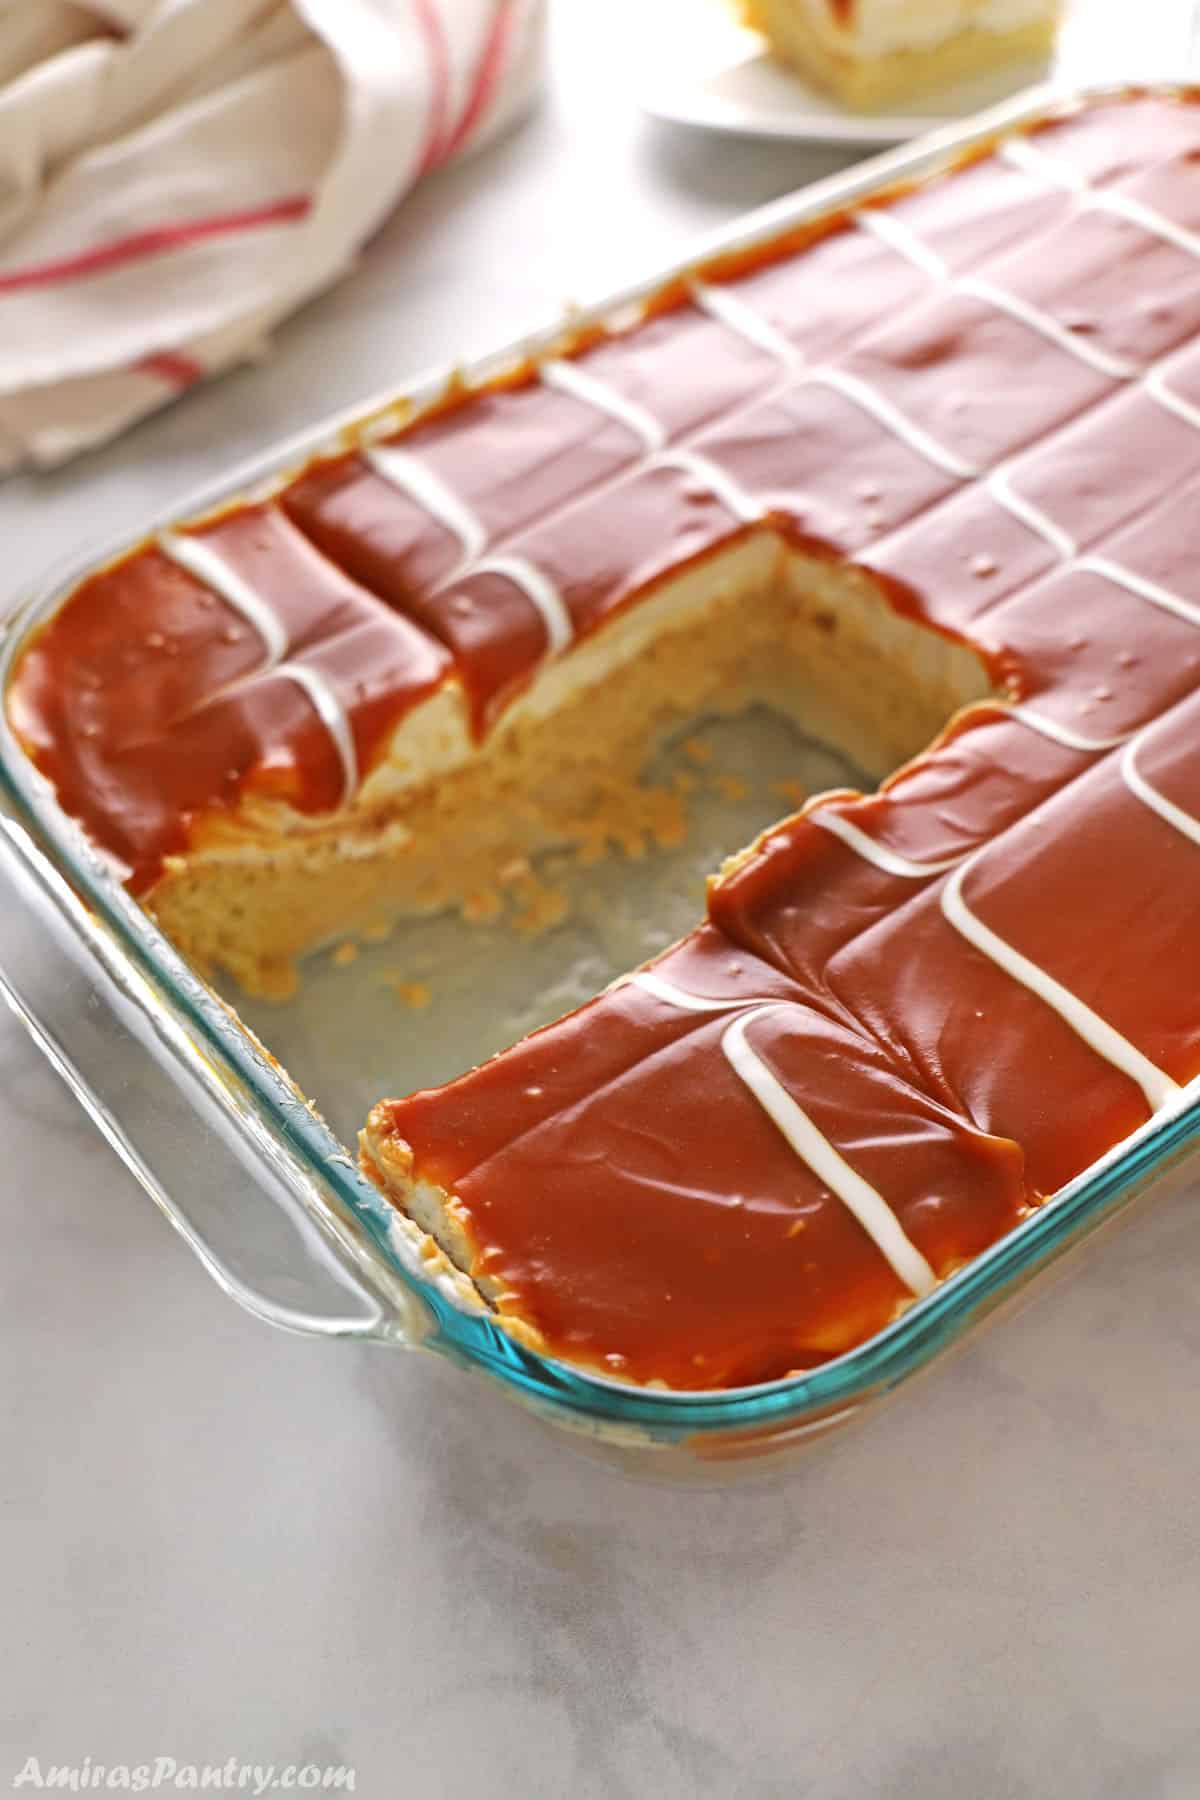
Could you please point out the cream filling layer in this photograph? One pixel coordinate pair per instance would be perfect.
(882, 27)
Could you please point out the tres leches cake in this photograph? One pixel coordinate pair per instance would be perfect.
(924, 477)
(874, 53)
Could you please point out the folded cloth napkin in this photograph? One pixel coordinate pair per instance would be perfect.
(177, 175)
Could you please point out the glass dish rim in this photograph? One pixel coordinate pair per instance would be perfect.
(809, 1398)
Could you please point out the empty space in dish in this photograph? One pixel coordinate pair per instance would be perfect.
(439, 995)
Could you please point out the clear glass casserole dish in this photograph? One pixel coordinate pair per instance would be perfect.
(205, 1114)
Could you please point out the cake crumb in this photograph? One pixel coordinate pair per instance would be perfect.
(481, 906)
(670, 830)
(697, 751)
(729, 787)
(795, 1228)
(377, 932)
(413, 994)
(515, 870)
(345, 953)
(591, 848)
(544, 907)
(683, 783)
(790, 789)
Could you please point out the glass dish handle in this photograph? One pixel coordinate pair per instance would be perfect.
(286, 1256)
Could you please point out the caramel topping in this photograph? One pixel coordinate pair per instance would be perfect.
(150, 700)
(695, 1247)
(911, 1015)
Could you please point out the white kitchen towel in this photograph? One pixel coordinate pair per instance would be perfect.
(178, 175)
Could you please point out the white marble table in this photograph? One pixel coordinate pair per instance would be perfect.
(216, 1540)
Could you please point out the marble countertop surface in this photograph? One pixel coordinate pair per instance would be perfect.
(218, 1541)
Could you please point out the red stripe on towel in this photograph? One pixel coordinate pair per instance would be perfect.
(175, 367)
(488, 71)
(153, 242)
(429, 19)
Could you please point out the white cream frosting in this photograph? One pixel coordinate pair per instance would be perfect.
(1151, 591)
(333, 717)
(1150, 796)
(569, 378)
(793, 1123)
(827, 1164)
(721, 485)
(1047, 326)
(208, 567)
(539, 590)
(720, 304)
(872, 851)
(1096, 1032)
(881, 409)
(999, 485)
(403, 470)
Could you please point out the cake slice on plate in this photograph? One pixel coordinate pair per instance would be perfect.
(874, 53)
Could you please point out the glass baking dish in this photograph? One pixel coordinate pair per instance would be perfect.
(198, 1100)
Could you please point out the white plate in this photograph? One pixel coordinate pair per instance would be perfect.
(704, 69)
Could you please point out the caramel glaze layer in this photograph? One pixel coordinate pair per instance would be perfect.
(717, 1239)
(989, 771)
(984, 1043)
(148, 702)
(511, 455)
(911, 1016)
